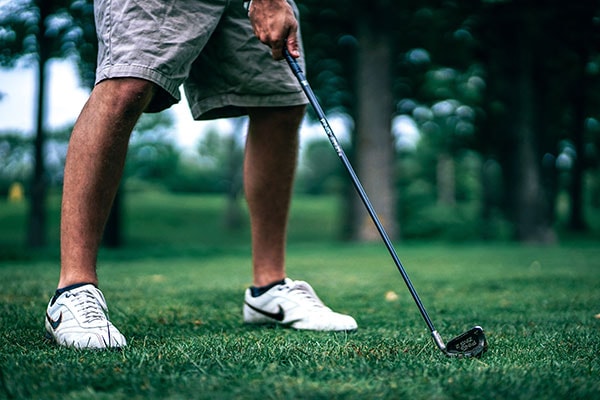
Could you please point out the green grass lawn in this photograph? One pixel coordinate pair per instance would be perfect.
(179, 304)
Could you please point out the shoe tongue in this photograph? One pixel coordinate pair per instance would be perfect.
(289, 282)
(301, 285)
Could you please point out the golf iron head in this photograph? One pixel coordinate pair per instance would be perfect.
(469, 344)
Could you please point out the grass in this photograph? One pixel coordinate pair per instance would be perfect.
(179, 304)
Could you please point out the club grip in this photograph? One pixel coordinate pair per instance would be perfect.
(312, 98)
(293, 64)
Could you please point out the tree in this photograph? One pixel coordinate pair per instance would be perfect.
(42, 30)
(353, 74)
(374, 152)
(580, 34)
(536, 58)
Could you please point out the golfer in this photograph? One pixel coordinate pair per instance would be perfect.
(147, 50)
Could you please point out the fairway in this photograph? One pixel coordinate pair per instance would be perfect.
(180, 305)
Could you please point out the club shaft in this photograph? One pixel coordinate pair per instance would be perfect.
(359, 188)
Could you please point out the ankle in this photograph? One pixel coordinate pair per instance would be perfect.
(77, 279)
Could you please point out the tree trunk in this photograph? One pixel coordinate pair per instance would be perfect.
(374, 144)
(446, 180)
(532, 224)
(491, 182)
(36, 232)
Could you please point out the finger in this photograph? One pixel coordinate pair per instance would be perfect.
(292, 43)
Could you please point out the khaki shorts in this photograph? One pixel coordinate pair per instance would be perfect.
(206, 45)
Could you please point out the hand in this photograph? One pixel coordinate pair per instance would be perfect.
(275, 25)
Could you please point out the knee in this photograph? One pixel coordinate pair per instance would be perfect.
(127, 94)
(289, 117)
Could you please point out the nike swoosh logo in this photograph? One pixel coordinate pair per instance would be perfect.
(278, 316)
(54, 324)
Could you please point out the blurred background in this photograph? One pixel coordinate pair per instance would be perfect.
(465, 120)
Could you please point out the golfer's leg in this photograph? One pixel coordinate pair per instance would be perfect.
(269, 167)
(93, 171)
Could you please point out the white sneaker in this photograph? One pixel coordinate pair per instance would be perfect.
(79, 318)
(294, 304)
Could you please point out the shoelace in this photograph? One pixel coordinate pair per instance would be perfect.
(87, 306)
(303, 291)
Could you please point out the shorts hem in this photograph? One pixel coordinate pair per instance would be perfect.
(229, 105)
(142, 72)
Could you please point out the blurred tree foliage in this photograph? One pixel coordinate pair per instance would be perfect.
(39, 30)
(513, 82)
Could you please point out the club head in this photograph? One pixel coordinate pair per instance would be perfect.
(469, 344)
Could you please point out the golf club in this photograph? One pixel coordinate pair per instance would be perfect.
(469, 344)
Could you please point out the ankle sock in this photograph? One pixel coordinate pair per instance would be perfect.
(67, 288)
(257, 291)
